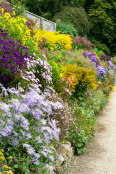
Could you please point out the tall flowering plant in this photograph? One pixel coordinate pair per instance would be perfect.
(12, 57)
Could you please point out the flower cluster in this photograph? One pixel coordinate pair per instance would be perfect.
(79, 78)
(105, 57)
(101, 72)
(53, 40)
(82, 42)
(12, 57)
(92, 57)
(26, 124)
(111, 65)
(38, 71)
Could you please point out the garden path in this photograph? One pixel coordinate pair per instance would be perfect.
(100, 157)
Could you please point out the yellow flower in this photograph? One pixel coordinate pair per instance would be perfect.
(14, 13)
(99, 82)
(2, 10)
(61, 75)
(7, 16)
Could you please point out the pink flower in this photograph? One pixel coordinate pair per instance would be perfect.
(54, 53)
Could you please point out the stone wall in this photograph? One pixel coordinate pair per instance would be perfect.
(42, 22)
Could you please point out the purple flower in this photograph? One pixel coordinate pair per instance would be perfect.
(30, 151)
(111, 65)
(14, 142)
(51, 158)
(29, 135)
(39, 140)
(37, 155)
(101, 71)
(36, 161)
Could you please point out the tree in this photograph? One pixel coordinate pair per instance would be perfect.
(102, 23)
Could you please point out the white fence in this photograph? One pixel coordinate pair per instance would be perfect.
(42, 22)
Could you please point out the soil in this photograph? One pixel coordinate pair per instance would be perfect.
(100, 156)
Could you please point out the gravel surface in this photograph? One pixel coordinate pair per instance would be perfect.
(100, 157)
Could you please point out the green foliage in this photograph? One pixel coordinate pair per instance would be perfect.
(96, 101)
(57, 82)
(18, 7)
(98, 52)
(103, 24)
(66, 29)
(46, 8)
(78, 139)
(75, 16)
(101, 46)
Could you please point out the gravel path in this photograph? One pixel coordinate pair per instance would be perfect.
(100, 157)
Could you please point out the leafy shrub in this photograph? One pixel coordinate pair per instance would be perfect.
(57, 81)
(96, 101)
(100, 46)
(54, 40)
(82, 43)
(103, 22)
(12, 58)
(78, 139)
(83, 126)
(18, 7)
(66, 29)
(75, 16)
(79, 79)
(98, 52)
